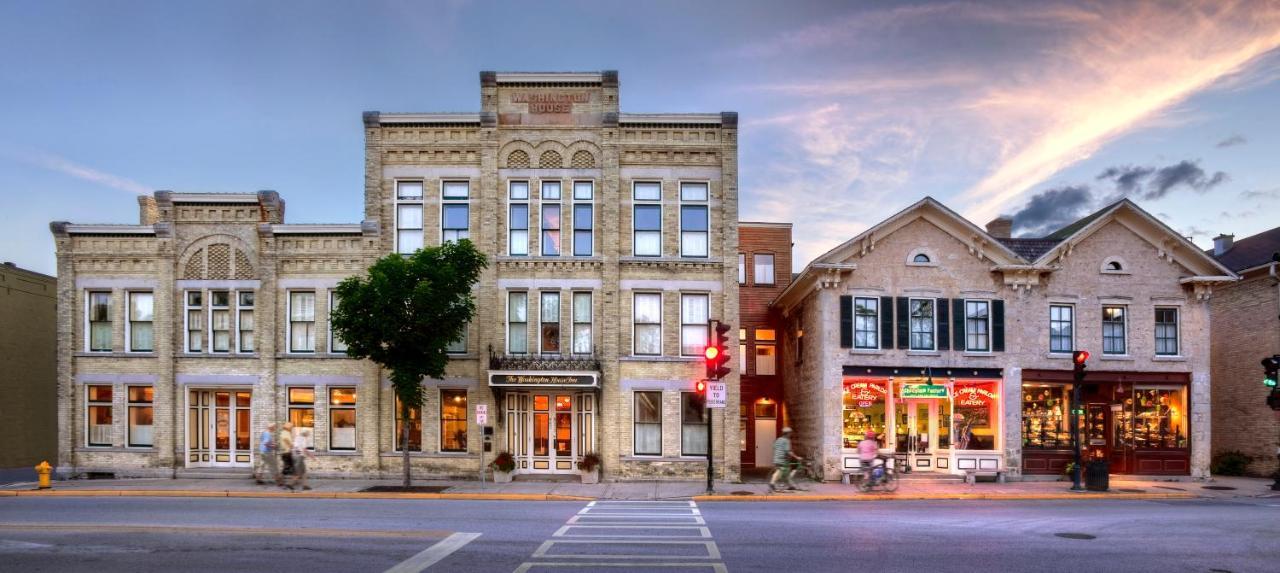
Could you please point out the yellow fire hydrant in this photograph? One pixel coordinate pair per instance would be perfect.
(42, 472)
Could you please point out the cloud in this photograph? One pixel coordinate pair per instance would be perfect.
(1154, 183)
(1108, 78)
(70, 168)
(1053, 209)
(1261, 194)
(1232, 141)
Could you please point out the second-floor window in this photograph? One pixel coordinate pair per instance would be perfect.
(742, 269)
(455, 211)
(647, 219)
(866, 321)
(336, 345)
(763, 263)
(647, 324)
(408, 216)
(694, 220)
(220, 320)
(518, 218)
(1113, 330)
(1166, 332)
(694, 312)
(977, 325)
(582, 323)
(549, 323)
(583, 218)
(99, 321)
(517, 322)
(922, 325)
(1061, 328)
(766, 352)
(302, 321)
(244, 320)
(141, 334)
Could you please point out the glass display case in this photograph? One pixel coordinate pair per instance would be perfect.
(1045, 425)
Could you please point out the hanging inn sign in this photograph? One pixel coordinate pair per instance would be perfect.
(543, 380)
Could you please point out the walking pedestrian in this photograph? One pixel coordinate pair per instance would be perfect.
(284, 445)
(782, 457)
(301, 451)
(268, 460)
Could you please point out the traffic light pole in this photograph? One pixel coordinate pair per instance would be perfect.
(706, 411)
(1075, 435)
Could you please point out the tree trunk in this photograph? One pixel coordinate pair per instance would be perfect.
(404, 441)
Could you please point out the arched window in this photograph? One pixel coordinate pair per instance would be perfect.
(518, 159)
(921, 258)
(1115, 266)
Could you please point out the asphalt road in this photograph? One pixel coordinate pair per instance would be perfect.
(314, 535)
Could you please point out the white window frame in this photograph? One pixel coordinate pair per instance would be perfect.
(773, 358)
(742, 351)
(289, 321)
(742, 268)
(395, 427)
(128, 415)
(1124, 318)
(559, 322)
(706, 415)
(589, 324)
(635, 423)
(512, 203)
(755, 269)
(507, 321)
(90, 404)
(705, 204)
(634, 296)
(331, 407)
(589, 203)
(333, 299)
(1071, 338)
(420, 202)
(445, 202)
(988, 333)
(543, 203)
(702, 324)
(187, 309)
(229, 308)
(128, 321)
(466, 420)
(88, 322)
(635, 204)
(240, 309)
(875, 323)
(933, 347)
(1177, 331)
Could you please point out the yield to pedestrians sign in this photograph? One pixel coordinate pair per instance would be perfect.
(716, 394)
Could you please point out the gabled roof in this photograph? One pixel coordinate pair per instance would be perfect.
(1251, 252)
(1029, 249)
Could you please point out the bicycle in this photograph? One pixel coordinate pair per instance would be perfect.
(802, 468)
(882, 476)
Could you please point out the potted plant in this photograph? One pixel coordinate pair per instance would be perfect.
(502, 466)
(590, 468)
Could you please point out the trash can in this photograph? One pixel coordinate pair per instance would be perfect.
(1097, 475)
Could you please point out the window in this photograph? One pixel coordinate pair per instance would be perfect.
(583, 219)
(220, 320)
(693, 425)
(1046, 416)
(517, 323)
(975, 417)
(408, 216)
(453, 420)
(244, 321)
(977, 325)
(1155, 418)
(1113, 335)
(141, 314)
(763, 264)
(342, 418)
(455, 212)
(582, 341)
(866, 322)
(921, 258)
(766, 352)
(336, 345)
(742, 351)
(302, 407)
(415, 429)
(863, 408)
(648, 424)
(742, 269)
(99, 308)
(647, 324)
(922, 324)
(1061, 328)
(140, 416)
(518, 218)
(1115, 266)
(458, 346)
(98, 412)
(195, 321)
(551, 219)
(694, 313)
(302, 321)
(694, 220)
(549, 323)
(647, 219)
(1166, 331)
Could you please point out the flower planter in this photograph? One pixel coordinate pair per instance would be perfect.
(592, 476)
(501, 477)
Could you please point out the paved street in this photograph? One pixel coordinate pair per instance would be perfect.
(315, 535)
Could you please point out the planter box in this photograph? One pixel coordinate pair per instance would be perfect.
(501, 477)
(592, 476)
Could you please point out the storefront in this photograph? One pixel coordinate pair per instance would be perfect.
(944, 421)
(1138, 422)
(218, 428)
(548, 418)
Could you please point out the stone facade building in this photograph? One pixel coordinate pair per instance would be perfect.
(764, 271)
(1245, 330)
(28, 415)
(608, 237)
(955, 345)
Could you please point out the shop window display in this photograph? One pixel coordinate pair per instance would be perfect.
(975, 416)
(1153, 418)
(1045, 425)
(864, 409)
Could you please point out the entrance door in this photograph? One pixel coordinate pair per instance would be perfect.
(218, 428)
(766, 433)
(923, 434)
(554, 433)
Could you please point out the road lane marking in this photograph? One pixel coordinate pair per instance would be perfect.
(606, 519)
(570, 531)
(543, 550)
(432, 555)
(226, 530)
(713, 567)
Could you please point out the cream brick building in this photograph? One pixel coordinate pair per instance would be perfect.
(955, 344)
(609, 237)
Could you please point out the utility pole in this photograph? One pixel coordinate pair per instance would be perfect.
(1079, 358)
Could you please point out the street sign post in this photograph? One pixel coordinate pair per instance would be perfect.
(716, 394)
(482, 414)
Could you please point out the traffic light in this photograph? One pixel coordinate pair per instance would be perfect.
(1270, 366)
(701, 387)
(1081, 359)
(717, 352)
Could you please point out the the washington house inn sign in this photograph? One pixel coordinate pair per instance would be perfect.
(609, 236)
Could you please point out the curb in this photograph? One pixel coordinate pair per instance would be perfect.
(292, 495)
(944, 496)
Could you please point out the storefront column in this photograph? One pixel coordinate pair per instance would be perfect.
(1200, 420)
(1011, 425)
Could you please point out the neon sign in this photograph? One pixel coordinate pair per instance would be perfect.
(974, 396)
(865, 392)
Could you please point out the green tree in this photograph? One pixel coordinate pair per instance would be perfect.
(405, 313)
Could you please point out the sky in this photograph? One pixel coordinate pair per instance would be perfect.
(849, 111)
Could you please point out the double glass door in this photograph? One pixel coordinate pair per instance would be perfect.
(923, 434)
(219, 428)
(549, 432)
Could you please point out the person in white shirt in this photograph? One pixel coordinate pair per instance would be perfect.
(301, 453)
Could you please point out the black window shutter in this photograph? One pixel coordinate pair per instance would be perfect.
(997, 325)
(904, 322)
(886, 322)
(846, 321)
(944, 324)
(957, 324)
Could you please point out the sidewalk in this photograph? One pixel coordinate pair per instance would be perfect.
(566, 491)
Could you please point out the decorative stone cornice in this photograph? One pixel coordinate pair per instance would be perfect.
(1022, 276)
(1202, 286)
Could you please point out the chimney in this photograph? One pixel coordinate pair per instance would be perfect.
(1222, 243)
(1000, 227)
(148, 211)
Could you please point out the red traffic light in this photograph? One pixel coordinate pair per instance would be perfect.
(1080, 356)
(701, 386)
(712, 352)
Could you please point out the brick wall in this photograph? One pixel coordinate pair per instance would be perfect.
(1245, 329)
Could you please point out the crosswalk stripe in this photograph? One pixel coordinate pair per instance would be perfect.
(644, 534)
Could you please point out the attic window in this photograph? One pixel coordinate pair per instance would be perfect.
(921, 258)
(1115, 266)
